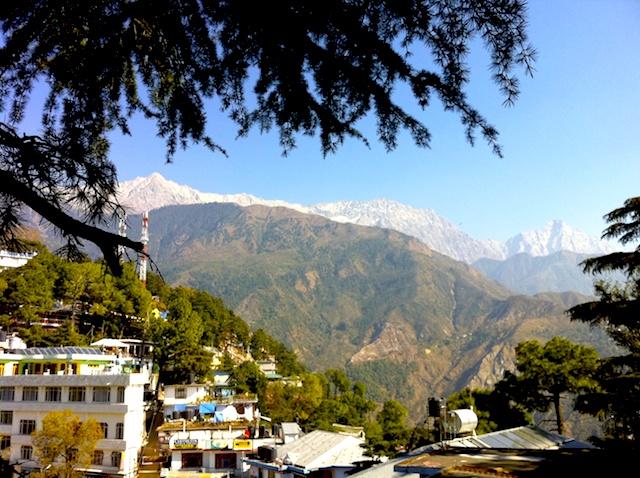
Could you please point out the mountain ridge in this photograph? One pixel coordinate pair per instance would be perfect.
(154, 191)
(378, 302)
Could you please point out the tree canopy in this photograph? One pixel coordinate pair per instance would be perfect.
(313, 68)
(618, 311)
(390, 434)
(65, 443)
(544, 373)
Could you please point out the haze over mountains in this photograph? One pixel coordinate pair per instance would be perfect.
(438, 233)
(529, 274)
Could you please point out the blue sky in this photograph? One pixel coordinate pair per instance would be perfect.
(570, 142)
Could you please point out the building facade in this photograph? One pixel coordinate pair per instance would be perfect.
(89, 382)
(9, 260)
(206, 431)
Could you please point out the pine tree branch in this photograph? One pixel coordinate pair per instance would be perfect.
(106, 241)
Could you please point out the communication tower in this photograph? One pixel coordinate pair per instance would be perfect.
(122, 231)
(143, 257)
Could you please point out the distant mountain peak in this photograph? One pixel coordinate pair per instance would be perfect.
(555, 236)
(155, 191)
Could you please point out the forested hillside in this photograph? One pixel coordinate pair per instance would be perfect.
(53, 302)
(407, 321)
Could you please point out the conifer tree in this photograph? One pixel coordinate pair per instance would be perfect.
(617, 310)
(547, 373)
(299, 67)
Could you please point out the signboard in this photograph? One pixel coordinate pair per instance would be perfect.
(185, 443)
(239, 444)
(219, 444)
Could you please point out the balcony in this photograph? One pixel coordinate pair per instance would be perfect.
(181, 424)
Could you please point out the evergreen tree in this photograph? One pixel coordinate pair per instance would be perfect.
(248, 378)
(316, 68)
(30, 290)
(186, 358)
(545, 374)
(617, 310)
(391, 435)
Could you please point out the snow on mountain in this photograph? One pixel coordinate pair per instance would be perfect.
(424, 224)
(556, 236)
(154, 191)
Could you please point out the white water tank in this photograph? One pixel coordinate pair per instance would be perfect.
(461, 421)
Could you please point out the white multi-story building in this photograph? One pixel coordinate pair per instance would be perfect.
(10, 259)
(89, 382)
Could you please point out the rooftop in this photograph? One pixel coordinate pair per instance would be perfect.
(519, 438)
(54, 351)
(320, 449)
(558, 463)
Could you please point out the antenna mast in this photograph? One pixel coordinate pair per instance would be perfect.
(143, 256)
(122, 231)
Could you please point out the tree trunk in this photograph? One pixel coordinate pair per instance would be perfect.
(556, 405)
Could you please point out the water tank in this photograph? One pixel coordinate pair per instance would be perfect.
(461, 421)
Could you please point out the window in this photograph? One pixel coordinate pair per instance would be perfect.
(30, 394)
(116, 457)
(105, 429)
(6, 394)
(225, 460)
(26, 452)
(6, 417)
(181, 393)
(119, 431)
(120, 395)
(53, 394)
(102, 394)
(77, 394)
(27, 427)
(98, 457)
(5, 442)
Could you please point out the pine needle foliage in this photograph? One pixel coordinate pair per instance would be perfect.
(617, 310)
(298, 67)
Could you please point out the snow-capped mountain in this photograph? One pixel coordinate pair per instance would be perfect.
(556, 236)
(424, 224)
(154, 191)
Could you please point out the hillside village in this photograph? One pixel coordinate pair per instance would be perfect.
(240, 406)
(340, 327)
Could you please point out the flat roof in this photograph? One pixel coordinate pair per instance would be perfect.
(50, 351)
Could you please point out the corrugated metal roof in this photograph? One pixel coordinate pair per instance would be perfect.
(322, 449)
(290, 428)
(520, 438)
